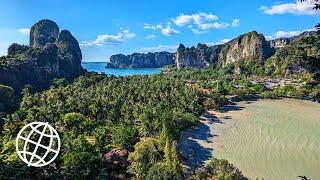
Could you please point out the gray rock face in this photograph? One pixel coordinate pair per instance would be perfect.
(209, 53)
(251, 45)
(163, 59)
(190, 57)
(70, 52)
(279, 43)
(45, 31)
(138, 60)
(198, 57)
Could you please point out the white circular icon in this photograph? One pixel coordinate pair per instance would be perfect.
(38, 144)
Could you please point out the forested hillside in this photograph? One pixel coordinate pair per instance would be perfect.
(126, 127)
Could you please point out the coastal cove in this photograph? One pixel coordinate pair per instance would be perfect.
(100, 67)
(235, 109)
(271, 139)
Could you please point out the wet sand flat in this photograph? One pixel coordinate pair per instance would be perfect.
(270, 139)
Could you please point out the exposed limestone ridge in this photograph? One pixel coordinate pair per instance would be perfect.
(250, 45)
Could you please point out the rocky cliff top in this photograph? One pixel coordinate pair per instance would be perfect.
(43, 32)
(51, 54)
(250, 45)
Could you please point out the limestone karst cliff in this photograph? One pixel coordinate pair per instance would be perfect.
(250, 49)
(279, 43)
(140, 60)
(188, 57)
(251, 45)
(51, 54)
(200, 56)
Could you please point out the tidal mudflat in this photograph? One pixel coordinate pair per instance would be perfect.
(271, 139)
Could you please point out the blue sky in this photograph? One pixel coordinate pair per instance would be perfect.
(108, 27)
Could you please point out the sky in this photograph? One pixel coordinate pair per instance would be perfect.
(107, 27)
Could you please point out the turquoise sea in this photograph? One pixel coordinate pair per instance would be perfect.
(100, 67)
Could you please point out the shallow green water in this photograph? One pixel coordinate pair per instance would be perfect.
(271, 139)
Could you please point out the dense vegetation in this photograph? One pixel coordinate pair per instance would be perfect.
(143, 114)
(98, 113)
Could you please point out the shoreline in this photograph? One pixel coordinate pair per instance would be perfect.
(206, 138)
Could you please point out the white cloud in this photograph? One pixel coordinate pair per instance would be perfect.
(107, 39)
(223, 41)
(168, 31)
(199, 23)
(202, 22)
(169, 48)
(151, 36)
(25, 31)
(287, 34)
(236, 22)
(215, 25)
(200, 18)
(297, 8)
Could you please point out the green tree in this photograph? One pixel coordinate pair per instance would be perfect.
(147, 153)
(167, 153)
(82, 161)
(125, 136)
(159, 172)
(78, 123)
(164, 135)
(174, 158)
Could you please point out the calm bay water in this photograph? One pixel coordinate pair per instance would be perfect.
(100, 67)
